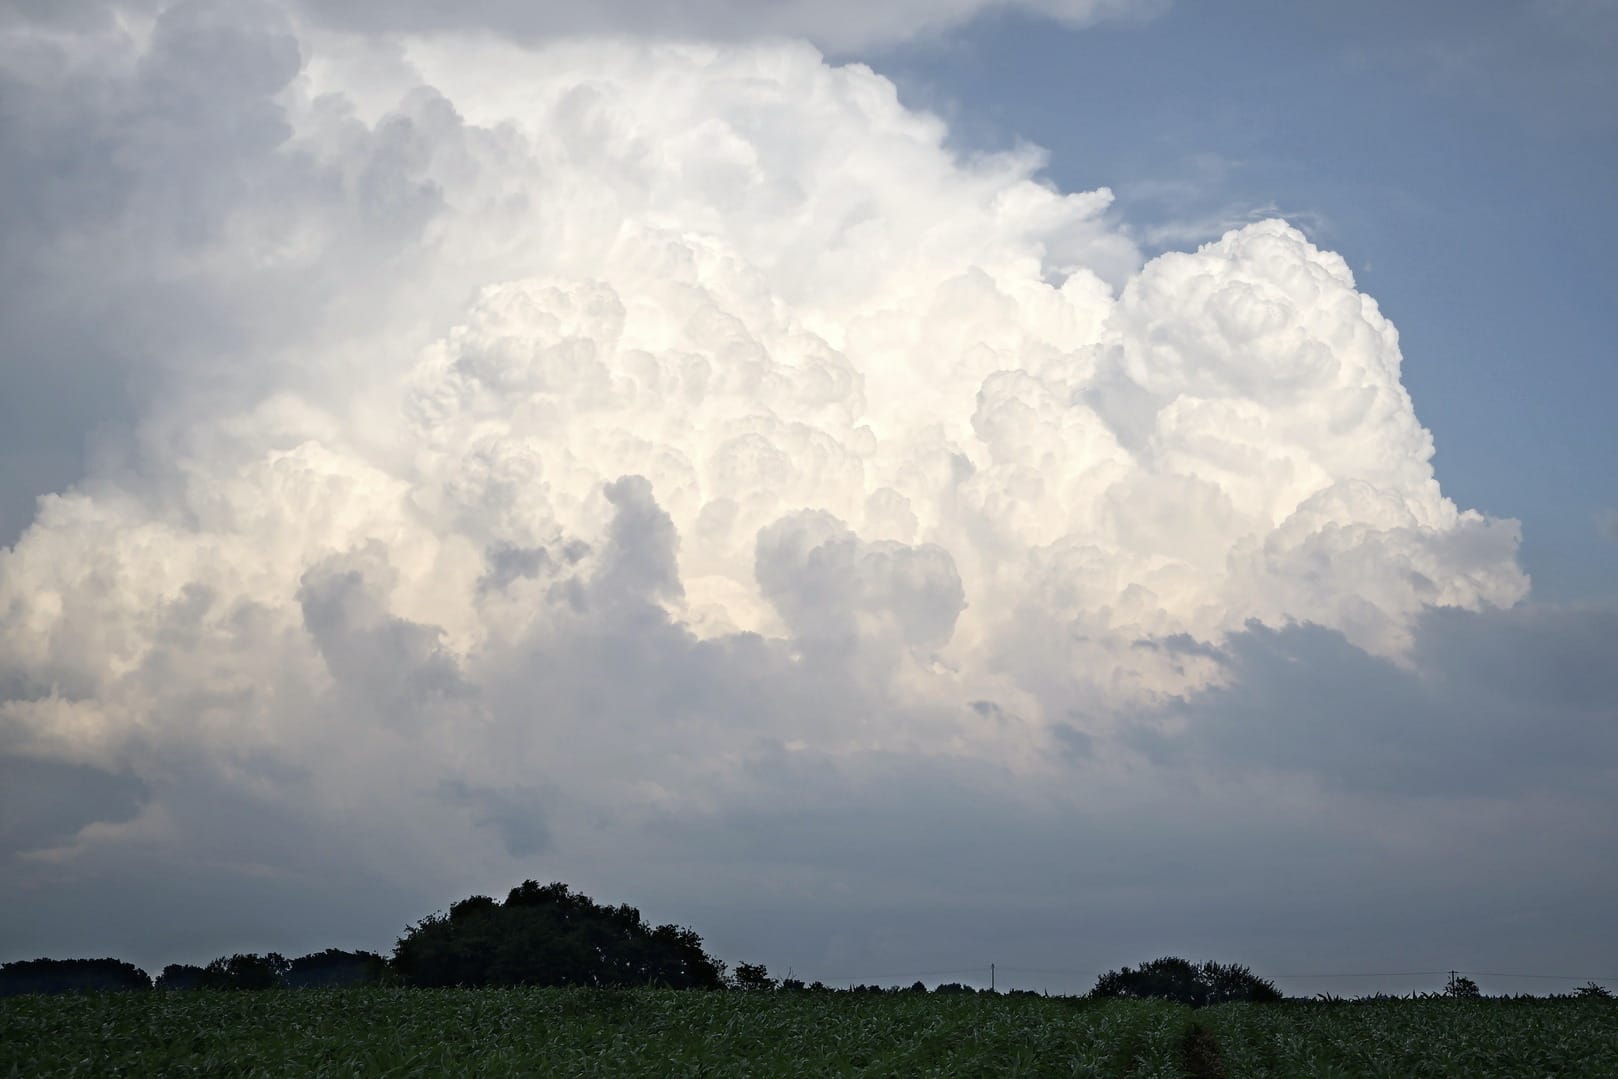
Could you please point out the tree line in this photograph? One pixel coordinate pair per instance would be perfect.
(542, 935)
(549, 935)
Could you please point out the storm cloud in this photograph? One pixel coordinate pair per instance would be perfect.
(605, 458)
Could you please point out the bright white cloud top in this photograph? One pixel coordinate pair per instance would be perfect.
(598, 409)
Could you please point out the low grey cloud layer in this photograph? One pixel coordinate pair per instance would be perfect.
(836, 25)
(665, 466)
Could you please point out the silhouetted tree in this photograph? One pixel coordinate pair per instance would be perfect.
(550, 935)
(954, 987)
(180, 976)
(1592, 991)
(1461, 987)
(70, 976)
(334, 968)
(244, 972)
(1196, 984)
(752, 976)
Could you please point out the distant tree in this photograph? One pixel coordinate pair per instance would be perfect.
(790, 983)
(1196, 984)
(334, 968)
(917, 986)
(1592, 991)
(954, 987)
(180, 976)
(1461, 987)
(241, 971)
(70, 976)
(752, 976)
(550, 935)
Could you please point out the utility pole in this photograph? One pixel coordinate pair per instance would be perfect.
(991, 977)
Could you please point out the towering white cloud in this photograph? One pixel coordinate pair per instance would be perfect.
(595, 410)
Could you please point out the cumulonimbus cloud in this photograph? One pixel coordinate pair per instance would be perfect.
(597, 406)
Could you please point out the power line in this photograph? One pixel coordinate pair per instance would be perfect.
(1552, 977)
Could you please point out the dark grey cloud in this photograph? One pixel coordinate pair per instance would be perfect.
(261, 870)
(517, 815)
(1490, 704)
(46, 803)
(383, 662)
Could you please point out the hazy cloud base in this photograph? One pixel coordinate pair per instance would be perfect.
(666, 467)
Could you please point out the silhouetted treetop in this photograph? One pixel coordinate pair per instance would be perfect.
(70, 976)
(334, 968)
(551, 935)
(244, 971)
(1196, 984)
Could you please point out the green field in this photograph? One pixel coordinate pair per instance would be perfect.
(565, 1032)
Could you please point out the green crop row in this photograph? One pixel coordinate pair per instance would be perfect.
(1402, 1039)
(576, 1032)
(580, 1032)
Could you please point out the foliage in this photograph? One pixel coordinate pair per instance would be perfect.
(641, 1032)
(551, 935)
(585, 1032)
(336, 969)
(70, 976)
(1185, 982)
(1429, 1036)
(752, 976)
(1592, 991)
(244, 972)
(180, 976)
(1461, 987)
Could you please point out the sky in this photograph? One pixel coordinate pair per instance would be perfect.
(896, 487)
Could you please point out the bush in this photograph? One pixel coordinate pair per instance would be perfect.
(551, 936)
(1196, 984)
(1592, 991)
(70, 976)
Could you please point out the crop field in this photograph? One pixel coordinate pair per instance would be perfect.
(569, 1032)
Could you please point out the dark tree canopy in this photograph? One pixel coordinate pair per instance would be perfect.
(70, 976)
(1196, 984)
(550, 935)
(334, 968)
(752, 976)
(244, 972)
(180, 976)
(953, 987)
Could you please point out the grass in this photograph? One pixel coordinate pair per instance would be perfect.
(577, 1032)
